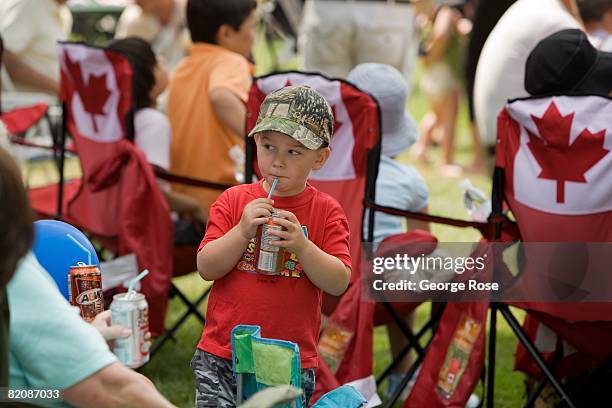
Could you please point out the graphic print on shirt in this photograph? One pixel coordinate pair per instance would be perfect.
(292, 268)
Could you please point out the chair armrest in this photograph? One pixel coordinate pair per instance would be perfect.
(175, 178)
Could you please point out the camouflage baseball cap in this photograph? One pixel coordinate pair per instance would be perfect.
(299, 112)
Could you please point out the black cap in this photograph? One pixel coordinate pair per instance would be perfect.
(567, 63)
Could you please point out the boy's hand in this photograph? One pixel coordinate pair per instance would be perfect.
(292, 238)
(254, 214)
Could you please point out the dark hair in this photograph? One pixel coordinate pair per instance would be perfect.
(16, 228)
(143, 62)
(593, 10)
(204, 17)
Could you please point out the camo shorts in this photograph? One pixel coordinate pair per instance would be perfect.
(216, 386)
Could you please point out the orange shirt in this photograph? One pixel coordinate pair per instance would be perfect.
(200, 141)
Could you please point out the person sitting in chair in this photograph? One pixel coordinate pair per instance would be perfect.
(152, 132)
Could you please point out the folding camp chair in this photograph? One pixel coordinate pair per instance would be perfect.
(26, 144)
(552, 168)
(117, 201)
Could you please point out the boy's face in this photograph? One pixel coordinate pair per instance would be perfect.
(240, 41)
(280, 156)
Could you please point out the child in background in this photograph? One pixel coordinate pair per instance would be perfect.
(292, 136)
(208, 93)
(152, 133)
(397, 185)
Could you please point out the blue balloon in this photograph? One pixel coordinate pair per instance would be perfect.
(56, 250)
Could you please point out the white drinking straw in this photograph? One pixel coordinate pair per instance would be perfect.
(133, 283)
(82, 247)
(274, 183)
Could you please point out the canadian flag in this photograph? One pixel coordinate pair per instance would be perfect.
(118, 182)
(92, 83)
(563, 164)
(555, 152)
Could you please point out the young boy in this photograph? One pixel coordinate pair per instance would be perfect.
(208, 92)
(292, 136)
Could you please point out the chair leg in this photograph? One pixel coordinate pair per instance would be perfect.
(394, 364)
(533, 396)
(491, 360)
(404, 328)
(407, 377)
(536, 393)
(192, 309)
(431, 324)
(535, 354)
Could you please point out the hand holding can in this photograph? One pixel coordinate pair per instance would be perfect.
(268, 255)
(85, 290)
(102, 323)
(132, 311)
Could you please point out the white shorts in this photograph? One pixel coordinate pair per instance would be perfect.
(337, 35)
(438, 80)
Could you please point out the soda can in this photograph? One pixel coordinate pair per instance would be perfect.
(131, 312)
(268, 255)
(85, 290)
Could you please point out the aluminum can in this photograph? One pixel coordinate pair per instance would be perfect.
(268, 255)
(133, 313)
(85, 290)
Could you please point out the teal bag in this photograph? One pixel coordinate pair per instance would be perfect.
(342, 397)
(258, 363)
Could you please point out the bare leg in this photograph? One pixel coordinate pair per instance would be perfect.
(478, 165)
(449, 110)
(427, 127)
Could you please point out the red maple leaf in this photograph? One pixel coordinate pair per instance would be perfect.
(560, 160)
(93, 94)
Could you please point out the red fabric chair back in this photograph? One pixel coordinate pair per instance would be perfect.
(119, 196)
(555, 153)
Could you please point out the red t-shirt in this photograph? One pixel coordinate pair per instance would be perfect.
(286, 306)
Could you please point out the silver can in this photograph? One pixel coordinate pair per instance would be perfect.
(132, 313)
(268, 254)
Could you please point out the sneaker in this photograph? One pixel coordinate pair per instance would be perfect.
(473, 402)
